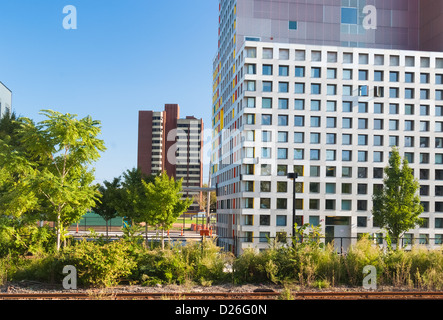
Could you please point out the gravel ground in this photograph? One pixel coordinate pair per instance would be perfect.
(37, 287)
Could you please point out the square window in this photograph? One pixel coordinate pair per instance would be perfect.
(331, 122)
(299, 88)
(292, 25)
(332, 73)
(362, 222)
(314, 204)
(378, 140)
(346, 172)
(362, 123)
(315, 138)
(266, 136)
(300, 55)
(347, 123)
(347, 106)
(266, 153)
(266, 170)
(347, 90)
(363, 91)
(378, 107)
(282, 120)
(250, 69)
(349, 15)
(283, 104)
(378, 76)
(332, 57)
(250, 85)
(282, 186)
(265, 186)
(299, 121)
(331, 138)
(267, 70)
(299, 104)
(316, 55)
(330, 204)
(362, 74)
(268, 53)
(283, 71)
(363, 58)
(315, 122)
(330, 188)
(362, 156)
(267, 86)
(362, 172)
(331, 171)
(331, 106)
(266, 119)
(315, 72)
(346, 205)
(409, 93)
(283, 54)
(393, 92)
(315, 154)
(314, 171)
(283, 87)
(266, 103)
(283, 137)
(315, 105)
(393, 76)
(281, 221)
(347, 74)
(299, 72)
(330, 155)
(299, 154)
(282, 153)
(346, 155)
(347, 57)
(346, 139)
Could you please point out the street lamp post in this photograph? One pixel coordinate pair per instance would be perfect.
(293, 177)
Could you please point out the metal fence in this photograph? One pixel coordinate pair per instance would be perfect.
(87, 223)
(340, 244)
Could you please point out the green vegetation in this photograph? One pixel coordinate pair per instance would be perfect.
(397, 206)
(46, 175)
(129, 260)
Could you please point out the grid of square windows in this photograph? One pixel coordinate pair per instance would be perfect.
(328, 112)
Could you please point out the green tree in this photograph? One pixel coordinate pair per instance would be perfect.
(133, 198)
(110, 197)
(165, 203)
(53, 160)
(396, 206)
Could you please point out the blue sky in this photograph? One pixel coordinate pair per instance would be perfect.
(125, 56)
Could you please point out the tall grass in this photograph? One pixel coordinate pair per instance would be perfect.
(102, 264)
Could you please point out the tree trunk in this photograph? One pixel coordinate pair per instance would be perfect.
(58, 231)
(163, 239)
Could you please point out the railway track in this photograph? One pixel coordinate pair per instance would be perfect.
(414, 295)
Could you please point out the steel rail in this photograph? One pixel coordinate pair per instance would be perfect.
(93, 295)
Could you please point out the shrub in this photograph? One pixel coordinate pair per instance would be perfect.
(178, 264)
(43, 268)
(100, 265)
(19, 238)
(362, 254)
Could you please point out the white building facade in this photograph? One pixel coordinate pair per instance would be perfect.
(5, 100)
(329, 113)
